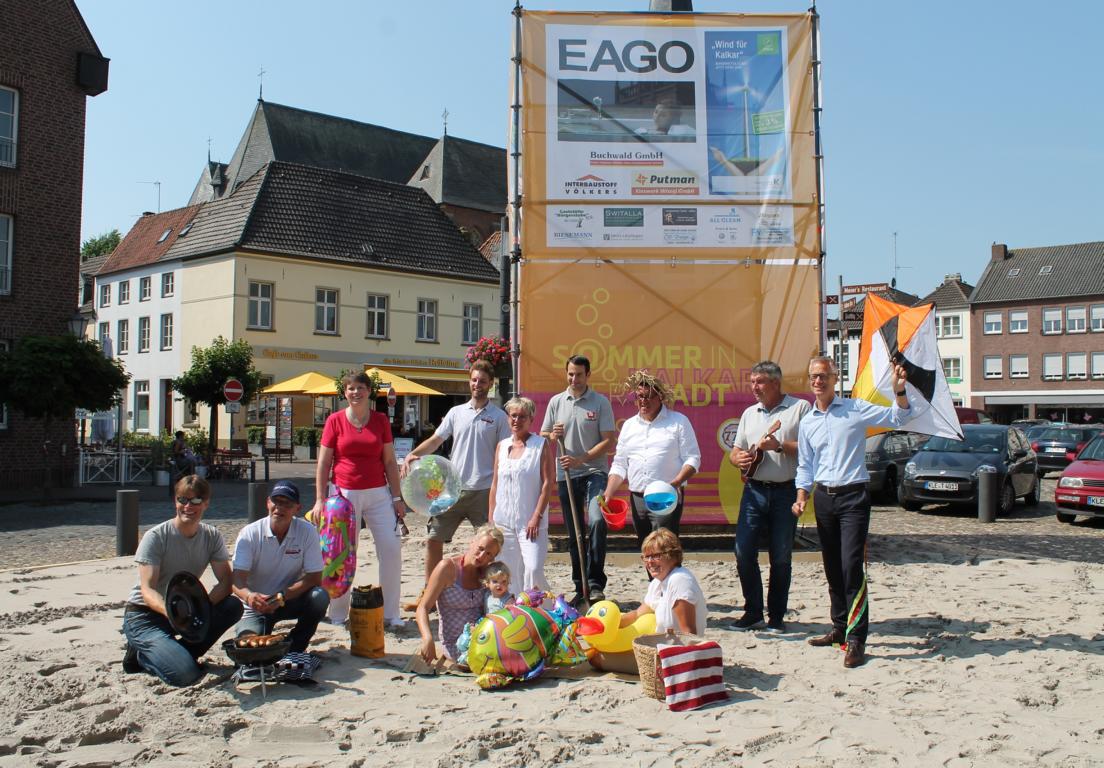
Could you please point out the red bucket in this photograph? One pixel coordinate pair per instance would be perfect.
(615, 512)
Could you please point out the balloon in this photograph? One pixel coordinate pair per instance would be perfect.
(660, 497)
(431, 486)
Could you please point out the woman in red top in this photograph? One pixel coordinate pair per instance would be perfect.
(358, 457)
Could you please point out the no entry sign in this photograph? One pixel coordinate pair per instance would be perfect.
(233, 390)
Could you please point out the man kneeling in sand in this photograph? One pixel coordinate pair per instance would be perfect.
(187, 544)
(278, 570)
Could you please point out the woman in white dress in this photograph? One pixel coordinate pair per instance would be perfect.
(524, 480)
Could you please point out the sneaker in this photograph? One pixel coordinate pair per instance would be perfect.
(130, 661)
(776, 627)
(746, 622)
(396, 624)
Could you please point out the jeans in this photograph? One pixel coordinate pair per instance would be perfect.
(307, 609)
(172, 660)
(769, 507)
(843, 522)
(585, 488)
(646, 521)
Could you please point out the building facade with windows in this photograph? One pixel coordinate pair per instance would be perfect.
(1037, 321)
(952, 332)
(45, 80)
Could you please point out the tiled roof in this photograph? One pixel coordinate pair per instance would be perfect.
(464, 173)
(141, 246)
(218, 226)
(1074, 270)
(952, 294)
(492, 248)
(894, 295)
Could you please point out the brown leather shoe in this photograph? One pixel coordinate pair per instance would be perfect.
(832, 638)
(856, 654)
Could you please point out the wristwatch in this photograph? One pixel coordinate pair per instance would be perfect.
(902, 393)
(396, 498)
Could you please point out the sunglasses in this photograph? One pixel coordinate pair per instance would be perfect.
(820, 376)
(195, 501)
(646, 395)
(655, 555)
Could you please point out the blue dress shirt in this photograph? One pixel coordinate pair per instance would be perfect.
(831, 444)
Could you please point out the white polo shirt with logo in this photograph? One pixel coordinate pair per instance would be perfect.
(274, 565)
(475, 433)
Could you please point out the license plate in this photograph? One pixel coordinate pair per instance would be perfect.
(1096, 501)
(1055, 449)
(933, 485)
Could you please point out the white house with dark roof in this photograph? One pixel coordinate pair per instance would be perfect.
(952, 330)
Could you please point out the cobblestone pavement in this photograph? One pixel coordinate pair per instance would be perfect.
(33, 535)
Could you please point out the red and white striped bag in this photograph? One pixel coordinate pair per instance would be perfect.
(693, 675)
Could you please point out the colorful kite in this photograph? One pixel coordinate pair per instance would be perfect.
(896, 333)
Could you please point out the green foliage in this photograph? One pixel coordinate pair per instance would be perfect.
(373, 377)
(307, 436)
(49, 377)
(256, 434)
(101, 245)
(211, 367)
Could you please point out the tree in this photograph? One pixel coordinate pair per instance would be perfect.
(211, 367)
(100, 246)
(49, 377)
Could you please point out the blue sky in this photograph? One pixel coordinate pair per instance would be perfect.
(954, 124)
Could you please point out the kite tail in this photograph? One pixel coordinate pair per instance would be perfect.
(858, 605)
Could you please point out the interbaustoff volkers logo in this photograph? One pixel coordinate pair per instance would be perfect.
(665, 184)
(590, 186)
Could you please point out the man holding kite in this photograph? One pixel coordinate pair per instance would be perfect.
(831, 445)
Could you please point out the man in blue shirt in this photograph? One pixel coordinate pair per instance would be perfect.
(831, 444)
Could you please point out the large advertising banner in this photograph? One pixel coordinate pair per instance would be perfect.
(669, 214)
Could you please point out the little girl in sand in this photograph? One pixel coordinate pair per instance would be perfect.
(497, 581)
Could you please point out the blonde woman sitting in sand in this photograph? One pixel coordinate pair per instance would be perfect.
(497, 581)
(674, 595)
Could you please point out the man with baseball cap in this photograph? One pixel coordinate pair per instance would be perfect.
(278, 570)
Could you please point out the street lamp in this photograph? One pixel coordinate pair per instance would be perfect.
(78, 324)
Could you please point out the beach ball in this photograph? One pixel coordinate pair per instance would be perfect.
(431, 486)
(660, 497)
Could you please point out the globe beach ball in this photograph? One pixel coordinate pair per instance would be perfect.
(431, 486)
(660, 497)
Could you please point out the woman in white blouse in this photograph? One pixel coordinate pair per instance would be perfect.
(674, 595)
(655, 444)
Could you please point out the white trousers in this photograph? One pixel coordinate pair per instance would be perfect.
(524, 558)
(375, 508)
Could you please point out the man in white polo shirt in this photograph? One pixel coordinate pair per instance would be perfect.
(278, 570)
(476, 428)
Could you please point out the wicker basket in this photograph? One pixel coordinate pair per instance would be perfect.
(646, 649)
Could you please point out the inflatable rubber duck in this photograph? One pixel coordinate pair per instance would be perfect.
(602, 631)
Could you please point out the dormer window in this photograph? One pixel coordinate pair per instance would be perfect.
(186, 230)
(1014, 272)
(1046, 270)
(164, 235)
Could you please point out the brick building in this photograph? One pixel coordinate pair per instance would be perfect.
(49, 64)
(1037, 328)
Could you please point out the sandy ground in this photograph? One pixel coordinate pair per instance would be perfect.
(983, 652)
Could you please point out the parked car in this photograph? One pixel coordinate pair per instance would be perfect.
(1025, 424)
(972, 416)
(1034, 431)
(1058, 445)
(945, 471)
(1080, 489)
(886, 455)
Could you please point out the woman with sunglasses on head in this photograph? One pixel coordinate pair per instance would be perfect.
(524, 480)
(655, 444)
(184, 543)
(674, 595)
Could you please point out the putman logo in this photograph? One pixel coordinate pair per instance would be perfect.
(666, 184)
(680, 217)
(590, 186)
(623, 217)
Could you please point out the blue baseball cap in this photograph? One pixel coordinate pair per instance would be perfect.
(285, 488)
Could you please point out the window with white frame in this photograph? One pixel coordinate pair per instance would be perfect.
(124, 291)
(105, 331)
(1017, 367)
(4, 347)
(1098, 365)
(992, 367)
(144, 288)
(952, 367)
(1052, 367)
(105, 295)
(1075, 319)
(260, 305)
(143, 334)
(325, 310)
(168, 284)
(1017, 321)
(993, 323)
(1096, 318)
(843, 360)
(141, 406)
(9, 125)
(6, 228)
(949, 326)
(427, 320)
(473, 323)
(1052, 321)
(377, 315)
(167, 331)
(122, 337)
(1077, 366)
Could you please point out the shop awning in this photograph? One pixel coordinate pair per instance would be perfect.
(303, 384)
(430, 374)
(401, 385)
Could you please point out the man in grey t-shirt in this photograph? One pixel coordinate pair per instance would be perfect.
(184, 543)
(583, 419)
